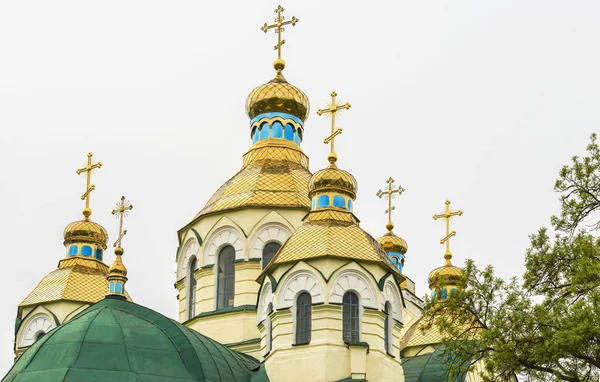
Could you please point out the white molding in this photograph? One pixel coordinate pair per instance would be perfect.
(267, 233)
(189, 249)
(352, 280)
(392, 294)
(294, 284)
(220, 238)
(266, 297)
(40, 322)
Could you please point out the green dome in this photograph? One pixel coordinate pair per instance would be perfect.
(116, 340)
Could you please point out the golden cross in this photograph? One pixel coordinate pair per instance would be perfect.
(122, 209)
(88, 169)
(389, 194)
(279, 27)
(333, 108)
(447, 215)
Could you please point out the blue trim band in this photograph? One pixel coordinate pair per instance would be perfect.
(282, 115)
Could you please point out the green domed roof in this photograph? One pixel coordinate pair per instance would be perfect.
(116, 340)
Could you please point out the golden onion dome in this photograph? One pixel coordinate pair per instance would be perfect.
(332, 179)
(392, 243)
(278, 95)
(85, 231)
(448, 273)
(118, 268)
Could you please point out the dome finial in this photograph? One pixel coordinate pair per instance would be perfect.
(279, 63)
(389, 194)
(88, 169)
(447, 214)
(117, 274)
(331, 111)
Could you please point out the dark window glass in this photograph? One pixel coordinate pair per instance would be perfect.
(269, 251)
(303, 318)
(350, 318)
(226, 277)
(270, 326)
(192, 288)
(387, 329)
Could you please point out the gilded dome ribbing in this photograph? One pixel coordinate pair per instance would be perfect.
(332, 179)
(448, 273)
(85, 231)
(277, 95)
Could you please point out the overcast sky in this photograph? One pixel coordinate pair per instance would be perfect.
(480, 102)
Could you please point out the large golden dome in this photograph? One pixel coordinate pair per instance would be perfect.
(392, 243)
(448, 273)
(333, 179)
(86, 231)
(278, 95)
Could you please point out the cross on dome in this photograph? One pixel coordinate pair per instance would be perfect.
(447, 214)
(122, 210)
(88, 169)
(389, 194)
(332, 109)
(279, 29)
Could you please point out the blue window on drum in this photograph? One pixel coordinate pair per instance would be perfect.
(86, 251)
(323, 201)
(277, 130)
(289, 132)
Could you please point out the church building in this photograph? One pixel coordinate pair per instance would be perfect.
(276, 279)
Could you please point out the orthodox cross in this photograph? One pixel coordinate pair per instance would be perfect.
(447, 215)
(389, 194)
(88, 169)
(333, 108)
(122, 209)
(279, 28)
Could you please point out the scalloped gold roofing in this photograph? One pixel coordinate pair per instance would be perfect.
(331, 233)
(392, 243)
(76, 279)
(333, 179)
(85, 231)
(271, 177)
(449, 273)
(277, 95)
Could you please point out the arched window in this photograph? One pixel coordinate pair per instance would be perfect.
(98, 254)
(338, 201)
(303, 318)
(269, 251)
(289, 132)
(443, 293)
(350, 312)
(269, 328)
(264, 131)
(86, 251)
(72, 250)
(226, 278)
(192, 288)
(277, 130)
(323, 201)
(254, 135)
(388, 327)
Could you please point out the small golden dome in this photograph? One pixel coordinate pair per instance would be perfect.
(278, 95)
(85, 231)
(118, 268)
(332, 179)
(449, 273)
(392, 243)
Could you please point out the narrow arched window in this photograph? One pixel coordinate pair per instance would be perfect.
(192, 288)
(350, 313)
(388, 327)
(226, 278)
(303, 318)
(269, 328)
(338, 201)
(269, 251)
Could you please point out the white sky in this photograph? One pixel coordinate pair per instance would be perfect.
(480, 102)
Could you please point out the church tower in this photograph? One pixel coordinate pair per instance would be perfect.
(78, 282)
(227, 244)
(330, 306)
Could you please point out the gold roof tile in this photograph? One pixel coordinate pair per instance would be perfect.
(272, 176)
(331, 233)
(76, 279)
(277, 95)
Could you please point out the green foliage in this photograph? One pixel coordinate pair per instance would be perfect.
(548, 327)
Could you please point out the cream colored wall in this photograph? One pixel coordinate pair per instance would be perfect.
(327, 357)
(246, 225)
